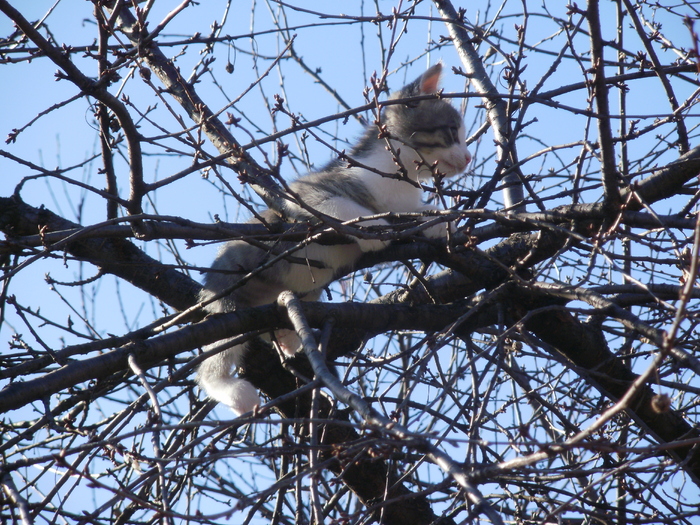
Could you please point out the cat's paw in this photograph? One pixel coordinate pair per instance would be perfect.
(371, 245)
(243, 397)
(240, 395)
(288, 341)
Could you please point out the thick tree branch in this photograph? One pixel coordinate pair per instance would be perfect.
(116, 256)
(589, 352)
(611, 179)
(373, 318)
(495, 105)
(667, 181)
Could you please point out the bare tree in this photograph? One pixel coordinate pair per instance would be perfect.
(538, 366)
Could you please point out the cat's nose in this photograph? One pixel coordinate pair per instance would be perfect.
(464, 161)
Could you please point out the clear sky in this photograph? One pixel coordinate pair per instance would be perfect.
(343, 52)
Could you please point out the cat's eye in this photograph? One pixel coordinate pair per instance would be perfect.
(454, 134)
(448, 134)
(438, 137)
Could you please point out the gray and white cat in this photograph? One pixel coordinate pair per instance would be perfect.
(423, 132)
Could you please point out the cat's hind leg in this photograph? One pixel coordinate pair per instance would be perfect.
(214, 376)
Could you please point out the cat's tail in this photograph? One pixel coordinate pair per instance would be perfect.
(214, 376)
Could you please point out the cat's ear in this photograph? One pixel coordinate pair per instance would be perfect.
(430, 79)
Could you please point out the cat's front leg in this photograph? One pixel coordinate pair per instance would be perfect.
(345, 209)
(438, 230)
(372, 245)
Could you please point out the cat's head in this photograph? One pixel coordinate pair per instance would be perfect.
(429, 130)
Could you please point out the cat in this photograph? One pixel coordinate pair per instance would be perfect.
(422, 132)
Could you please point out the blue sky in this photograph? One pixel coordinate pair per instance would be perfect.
(66, 137)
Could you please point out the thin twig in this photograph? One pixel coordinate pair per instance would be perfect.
(292, 304)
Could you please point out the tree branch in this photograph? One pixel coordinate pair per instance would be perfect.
(199, 112)
(116, 256)
(495, 106)
(96, 90)
(611, 179)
